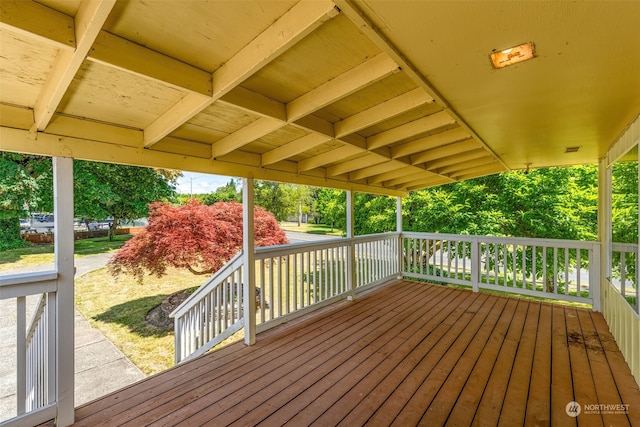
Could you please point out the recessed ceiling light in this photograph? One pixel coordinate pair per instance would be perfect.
(571, 149)
(512, 55)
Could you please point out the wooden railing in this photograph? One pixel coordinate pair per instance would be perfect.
(548, 268)
(623, 278)
(294, 279)
(35, 385)
(291, 280)
(211, 314)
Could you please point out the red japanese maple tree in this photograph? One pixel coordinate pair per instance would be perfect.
(194, 236)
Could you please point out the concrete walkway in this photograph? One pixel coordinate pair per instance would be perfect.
(100, 367)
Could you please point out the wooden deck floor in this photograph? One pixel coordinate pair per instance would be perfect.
(404, 354)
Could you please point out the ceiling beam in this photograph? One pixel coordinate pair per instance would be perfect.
(244, 135)
(428, 182)
(288, 30)
(411, 129)
(369, 72)
(373, 170)
(430, 142)
(38, 22)
(444, 151)
(369, 159)
(328, 157)
(457, 158)
(381, 112)
(465, 166)
(293, 148)
(403, 180)
(124, 55)
(88, 23)
(396, 173)
(477, 171)
(46, 144)
(355, 12)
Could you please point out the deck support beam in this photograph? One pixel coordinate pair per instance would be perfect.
(249, 273)
(63, 250)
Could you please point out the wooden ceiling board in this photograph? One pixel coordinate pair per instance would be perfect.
(582, 85)
(333, 49)
(16, 117)
(68, 7)
(415, 114)
(222, 118)
(106, 94)
(388, 88)
(24, 67)
(202, 34)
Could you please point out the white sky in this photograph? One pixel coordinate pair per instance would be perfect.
(201, 183)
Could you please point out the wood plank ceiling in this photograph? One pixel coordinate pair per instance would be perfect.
(337, 94)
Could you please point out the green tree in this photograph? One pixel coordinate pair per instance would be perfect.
(277, 198)
(121, 192)
(231, 192)
(20, 178)
(331, 207)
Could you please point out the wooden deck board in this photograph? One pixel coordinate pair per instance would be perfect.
(404, 354)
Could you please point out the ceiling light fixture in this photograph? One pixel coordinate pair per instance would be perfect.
(512, 55)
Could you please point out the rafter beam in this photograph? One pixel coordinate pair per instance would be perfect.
(444, 151)
(465, 166)
(403, 180)
(424, 183)
(373, 170)
(46, 144)
(88, 22)
(396, 173)
(124, 55)
(355, 164)
(40, 22)
(371, 71)
(457, 158)
(244, 135)
(355, 12)
(429, 142)
(292, 27)
(381, 112)
(293, 148)
(477, 171)
(411, 129)
(328, 157)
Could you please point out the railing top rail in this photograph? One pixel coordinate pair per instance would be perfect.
(232, 265)
(264, 252)
(624, 247)
(27, 278)
(527, 241)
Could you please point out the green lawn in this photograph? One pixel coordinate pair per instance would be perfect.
(118, 308)
(310, 228)
(42, 254)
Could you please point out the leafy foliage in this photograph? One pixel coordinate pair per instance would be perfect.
(194, 236)
(118, 191)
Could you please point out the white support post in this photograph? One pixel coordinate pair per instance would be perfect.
(475, 264)
(604, 232)
(400, 238)
(63, 244)
(248, 248)
(351, 261)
